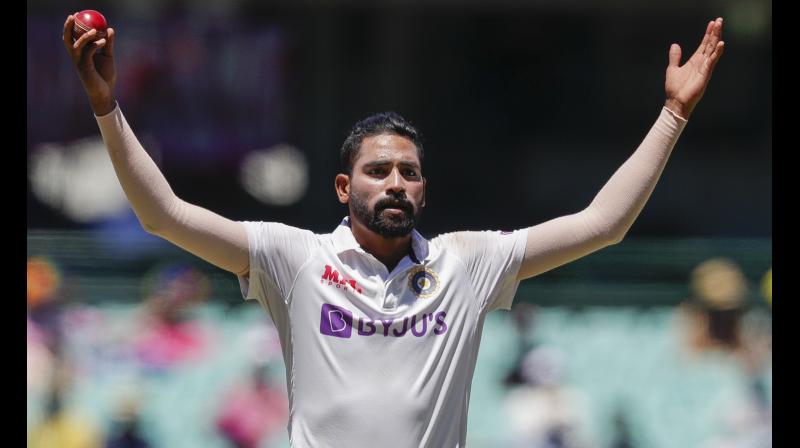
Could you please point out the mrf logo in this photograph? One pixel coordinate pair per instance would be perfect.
(333, 278)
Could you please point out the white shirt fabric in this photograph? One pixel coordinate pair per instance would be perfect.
(379, 358)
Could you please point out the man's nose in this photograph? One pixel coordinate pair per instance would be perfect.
(395, 182)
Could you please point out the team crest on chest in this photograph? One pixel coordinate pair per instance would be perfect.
(423, 281)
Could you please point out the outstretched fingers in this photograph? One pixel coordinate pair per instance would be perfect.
(712, 60)
(704, 43)
(67, 36)
(713, 38)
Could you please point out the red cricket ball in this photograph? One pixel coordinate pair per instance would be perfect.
(86, 20)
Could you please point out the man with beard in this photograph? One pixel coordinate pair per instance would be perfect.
(379, 326)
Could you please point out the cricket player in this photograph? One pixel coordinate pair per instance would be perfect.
(379, 326)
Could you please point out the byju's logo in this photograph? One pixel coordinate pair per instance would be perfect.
(336, 321)
(331, 277)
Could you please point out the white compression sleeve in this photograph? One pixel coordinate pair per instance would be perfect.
(144, 185)
(612, 212)
(214, 238)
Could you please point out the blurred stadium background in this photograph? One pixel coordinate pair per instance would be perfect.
(527, 107)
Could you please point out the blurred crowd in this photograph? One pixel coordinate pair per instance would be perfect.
(72, 346)
(723, 324)
(76, 350)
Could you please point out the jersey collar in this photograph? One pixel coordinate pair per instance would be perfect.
(343, 240)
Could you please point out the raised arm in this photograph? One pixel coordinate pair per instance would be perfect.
(216, 239)
(612, 212)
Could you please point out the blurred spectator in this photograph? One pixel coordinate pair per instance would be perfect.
(170, 335)
(715, 309)
(766, 287)
(522, 316)
(543, 412)
(45, 343)
(253, 412)
(721, 322)
(745, 420)
(125, 431)
(61, 427)
(98, 342)
(44, 297)
(622, 434)
(44, 280)
(719, 319)
(40, 359)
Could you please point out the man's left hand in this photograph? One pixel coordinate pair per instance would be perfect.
(686, 84)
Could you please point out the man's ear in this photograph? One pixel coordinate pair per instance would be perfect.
(424, 189)
(342, 184)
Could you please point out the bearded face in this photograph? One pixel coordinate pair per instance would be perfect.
(391, 217)
(386, 188)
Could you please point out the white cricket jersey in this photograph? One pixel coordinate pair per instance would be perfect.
(379, 358)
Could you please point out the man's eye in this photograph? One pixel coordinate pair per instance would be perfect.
(411, 173)
(375, 171)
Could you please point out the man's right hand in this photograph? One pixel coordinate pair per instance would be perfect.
(94, 61)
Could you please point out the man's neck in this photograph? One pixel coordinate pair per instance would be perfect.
(388, 251)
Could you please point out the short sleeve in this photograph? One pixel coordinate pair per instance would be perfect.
(493, 260)
(277, 252)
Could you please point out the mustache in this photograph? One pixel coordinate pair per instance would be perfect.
(399, 203)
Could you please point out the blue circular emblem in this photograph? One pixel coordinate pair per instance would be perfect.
(424, 282)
